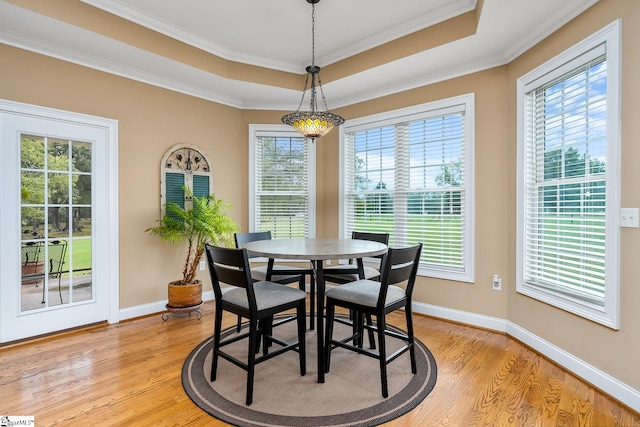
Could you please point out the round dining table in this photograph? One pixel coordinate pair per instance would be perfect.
(316, 250)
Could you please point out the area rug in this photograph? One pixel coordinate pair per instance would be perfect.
(350, 396)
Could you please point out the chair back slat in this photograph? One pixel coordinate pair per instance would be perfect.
(399, 273)
(399, 265)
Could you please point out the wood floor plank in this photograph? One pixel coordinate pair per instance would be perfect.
(129, 374)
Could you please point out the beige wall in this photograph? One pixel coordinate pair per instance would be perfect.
(152, 119)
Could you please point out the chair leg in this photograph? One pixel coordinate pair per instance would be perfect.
(330, 312)
(302, 327)
(265, 330)
(372, 341)
(251, 359)
(312, 301)
(412, 348)
(358, 323)
(239, 324)
(217, 330)
(355, 328)
(302, 286)
(260, 334)
(358, 330)
(382, 352)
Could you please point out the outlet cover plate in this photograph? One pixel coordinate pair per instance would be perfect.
(630, 217)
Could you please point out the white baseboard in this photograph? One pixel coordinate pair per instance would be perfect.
(478, 320)
(153, 308)
(603, 381)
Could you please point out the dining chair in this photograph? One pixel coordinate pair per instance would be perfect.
(365, 296)
(345, 273)
(278, 273)
(257, 301)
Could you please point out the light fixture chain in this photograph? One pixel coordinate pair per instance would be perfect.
(313, 34)
(324, 100)
(306, 81)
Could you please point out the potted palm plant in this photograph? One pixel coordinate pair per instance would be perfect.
(206, 221)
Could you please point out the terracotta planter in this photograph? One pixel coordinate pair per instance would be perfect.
(184, 295)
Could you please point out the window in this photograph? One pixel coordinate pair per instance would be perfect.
(409, 172)
(568, 186)
(281, 182)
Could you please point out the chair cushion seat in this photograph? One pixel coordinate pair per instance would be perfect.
(364, 292)
(268, 295)
(369, 272)
(260, 273)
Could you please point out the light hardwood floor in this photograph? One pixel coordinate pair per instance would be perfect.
(129, 375)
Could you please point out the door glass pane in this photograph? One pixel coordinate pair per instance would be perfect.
(82, 190)
(32, 187)
(32, 266)
(32, 152)
(58, 154)
(58, 188)
(55, 268)
(32, 222)
(81, 156)
(56, 226)
(81, 278)
(81, 222)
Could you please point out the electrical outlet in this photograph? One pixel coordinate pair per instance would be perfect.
(497, 283)
(201, 265)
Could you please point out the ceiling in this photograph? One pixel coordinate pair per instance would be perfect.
(276, 35)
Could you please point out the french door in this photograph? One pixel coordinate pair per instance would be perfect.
(58, 223)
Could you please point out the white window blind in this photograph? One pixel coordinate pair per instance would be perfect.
(407, 174)
(566, 182)
(283, 187)
(568, 191)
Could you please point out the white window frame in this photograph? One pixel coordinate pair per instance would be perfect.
(608, 314)
(257, 130)
(417, 112)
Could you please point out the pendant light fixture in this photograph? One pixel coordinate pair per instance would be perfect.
(313, 124)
